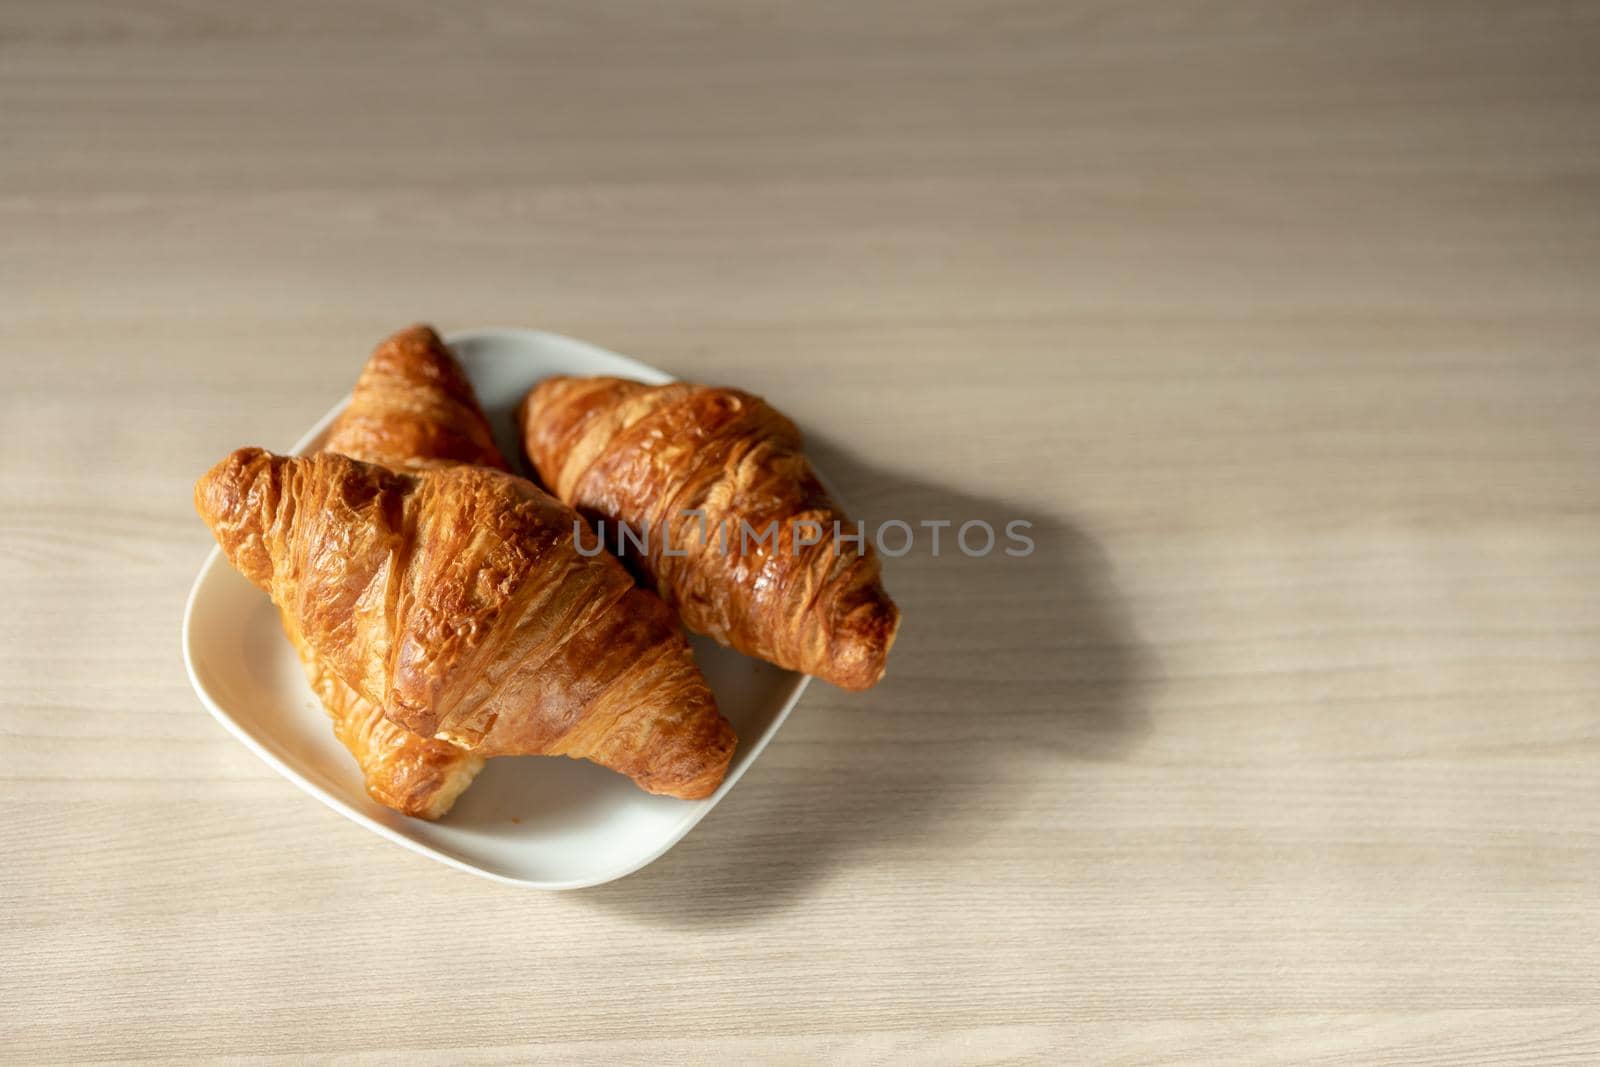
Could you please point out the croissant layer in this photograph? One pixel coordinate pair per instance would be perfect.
(742, 539)
(415, 775)
(456, 599)
(414, 408)
(411, 408)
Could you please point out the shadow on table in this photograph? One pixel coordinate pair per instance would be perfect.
(1005, 669)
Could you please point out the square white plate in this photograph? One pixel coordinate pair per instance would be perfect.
(551, 823)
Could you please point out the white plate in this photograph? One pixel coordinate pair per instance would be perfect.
(551, 823)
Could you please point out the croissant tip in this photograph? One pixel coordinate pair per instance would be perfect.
(866, 639)
(543, 387)
(417, 344)
(231, 498)
(713, 768)
(418, 333)
(213, 489)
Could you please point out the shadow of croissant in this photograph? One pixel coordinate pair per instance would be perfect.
(1005, 669)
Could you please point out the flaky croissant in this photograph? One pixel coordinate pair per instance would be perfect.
(648, 456)
(412, 408)
(457, 599)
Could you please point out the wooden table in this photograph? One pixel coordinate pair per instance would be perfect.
(1281, 322)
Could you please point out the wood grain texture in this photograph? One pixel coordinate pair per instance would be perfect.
(1278, 320)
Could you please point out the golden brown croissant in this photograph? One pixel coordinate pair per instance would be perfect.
(457, 599)
(411, 774)
(648, 455)
(412, 408)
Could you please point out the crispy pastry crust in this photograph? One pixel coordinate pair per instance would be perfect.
(645, 455)
(412, 408)
(415, 775)
(457, 599)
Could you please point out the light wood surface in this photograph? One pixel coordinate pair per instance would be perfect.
(1280, 320)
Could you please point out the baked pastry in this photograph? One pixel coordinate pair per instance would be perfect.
(705, 477)
(412, 408)
(457, 599)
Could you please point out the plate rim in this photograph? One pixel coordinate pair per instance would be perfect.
(691, 818)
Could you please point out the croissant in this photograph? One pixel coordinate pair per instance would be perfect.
(412, 408)
(457, 599)
(650, 457)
